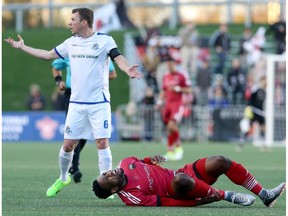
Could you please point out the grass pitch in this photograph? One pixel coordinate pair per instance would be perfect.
(28, 169)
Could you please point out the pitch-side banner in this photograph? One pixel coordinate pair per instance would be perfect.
(38, 126)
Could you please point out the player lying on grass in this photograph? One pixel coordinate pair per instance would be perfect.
(144, 183)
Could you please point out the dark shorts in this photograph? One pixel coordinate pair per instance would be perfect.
(259, 119)
(67, 95)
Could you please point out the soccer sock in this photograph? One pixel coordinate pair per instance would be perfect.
(104, 160)
(65, 159)
(76, 157)
(172, 138)
(241, 176)
(202, 189)
(82, 143)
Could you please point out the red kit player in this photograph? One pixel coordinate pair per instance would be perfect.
(144, 183)
(170, 101)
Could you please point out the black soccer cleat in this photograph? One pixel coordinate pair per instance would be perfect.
(271, 195)
(76, 174)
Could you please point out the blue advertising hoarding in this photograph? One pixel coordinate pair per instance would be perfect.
(38, 126)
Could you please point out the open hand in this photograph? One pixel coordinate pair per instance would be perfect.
(15, 44)
(157, 159)
(134, 73)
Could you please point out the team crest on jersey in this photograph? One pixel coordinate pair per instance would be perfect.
(95, 46)
(68, 130)
(131, 166)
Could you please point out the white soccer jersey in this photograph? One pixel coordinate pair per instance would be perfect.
(89, 63)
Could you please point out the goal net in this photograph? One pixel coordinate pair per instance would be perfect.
(275, 111)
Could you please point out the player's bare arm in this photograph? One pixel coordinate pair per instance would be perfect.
(160, 100)
(131, 70)
(177, 88)
(39, 53)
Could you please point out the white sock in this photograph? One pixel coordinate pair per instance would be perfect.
(104, 160)
(65, 158)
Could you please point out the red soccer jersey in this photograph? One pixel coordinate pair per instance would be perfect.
(143, 185)
(172, 80)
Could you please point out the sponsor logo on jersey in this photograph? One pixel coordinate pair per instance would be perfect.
(132, 166)
(95, 46)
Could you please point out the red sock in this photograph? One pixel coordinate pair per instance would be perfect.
(241, 176)
(202, 189)
(172, 138)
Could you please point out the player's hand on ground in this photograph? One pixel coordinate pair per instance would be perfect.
(134, 73)
(157, 159)
(206, 200)
(15, 44)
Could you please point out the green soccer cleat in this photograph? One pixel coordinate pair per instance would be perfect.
(169, 156)
(111, 197)
(57, 186)
(178, 153)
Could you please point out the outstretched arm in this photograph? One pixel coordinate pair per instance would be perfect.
(39, 53)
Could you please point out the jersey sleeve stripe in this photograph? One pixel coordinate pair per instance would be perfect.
(58, 53)
(129, 196)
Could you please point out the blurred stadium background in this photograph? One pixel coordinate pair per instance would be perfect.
(43, 24)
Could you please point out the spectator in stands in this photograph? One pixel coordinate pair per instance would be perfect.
(174, 85)
(221, 42)
(36, 101)
(236, 79)
(58, 100)
(189, 48)
(162, 46)
(217, 96)
(203, 82)
(279, 30)
(218, 82)
(151, 81)
(246, 36)
(219, 100)
(255, 46)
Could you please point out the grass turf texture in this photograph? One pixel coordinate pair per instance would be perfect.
(28, 169)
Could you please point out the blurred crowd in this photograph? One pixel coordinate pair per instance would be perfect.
(222, 67)
(220, 75)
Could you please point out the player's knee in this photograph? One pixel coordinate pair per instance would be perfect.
(102, 143)
(182, 183)
(68, 148)
(221, 163)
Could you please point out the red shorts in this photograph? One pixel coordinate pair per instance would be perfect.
(174, 111)
(197, 170)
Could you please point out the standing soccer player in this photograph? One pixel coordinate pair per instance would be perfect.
(58, 65)
(254, 112)
(174, 85)
(89, 110)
